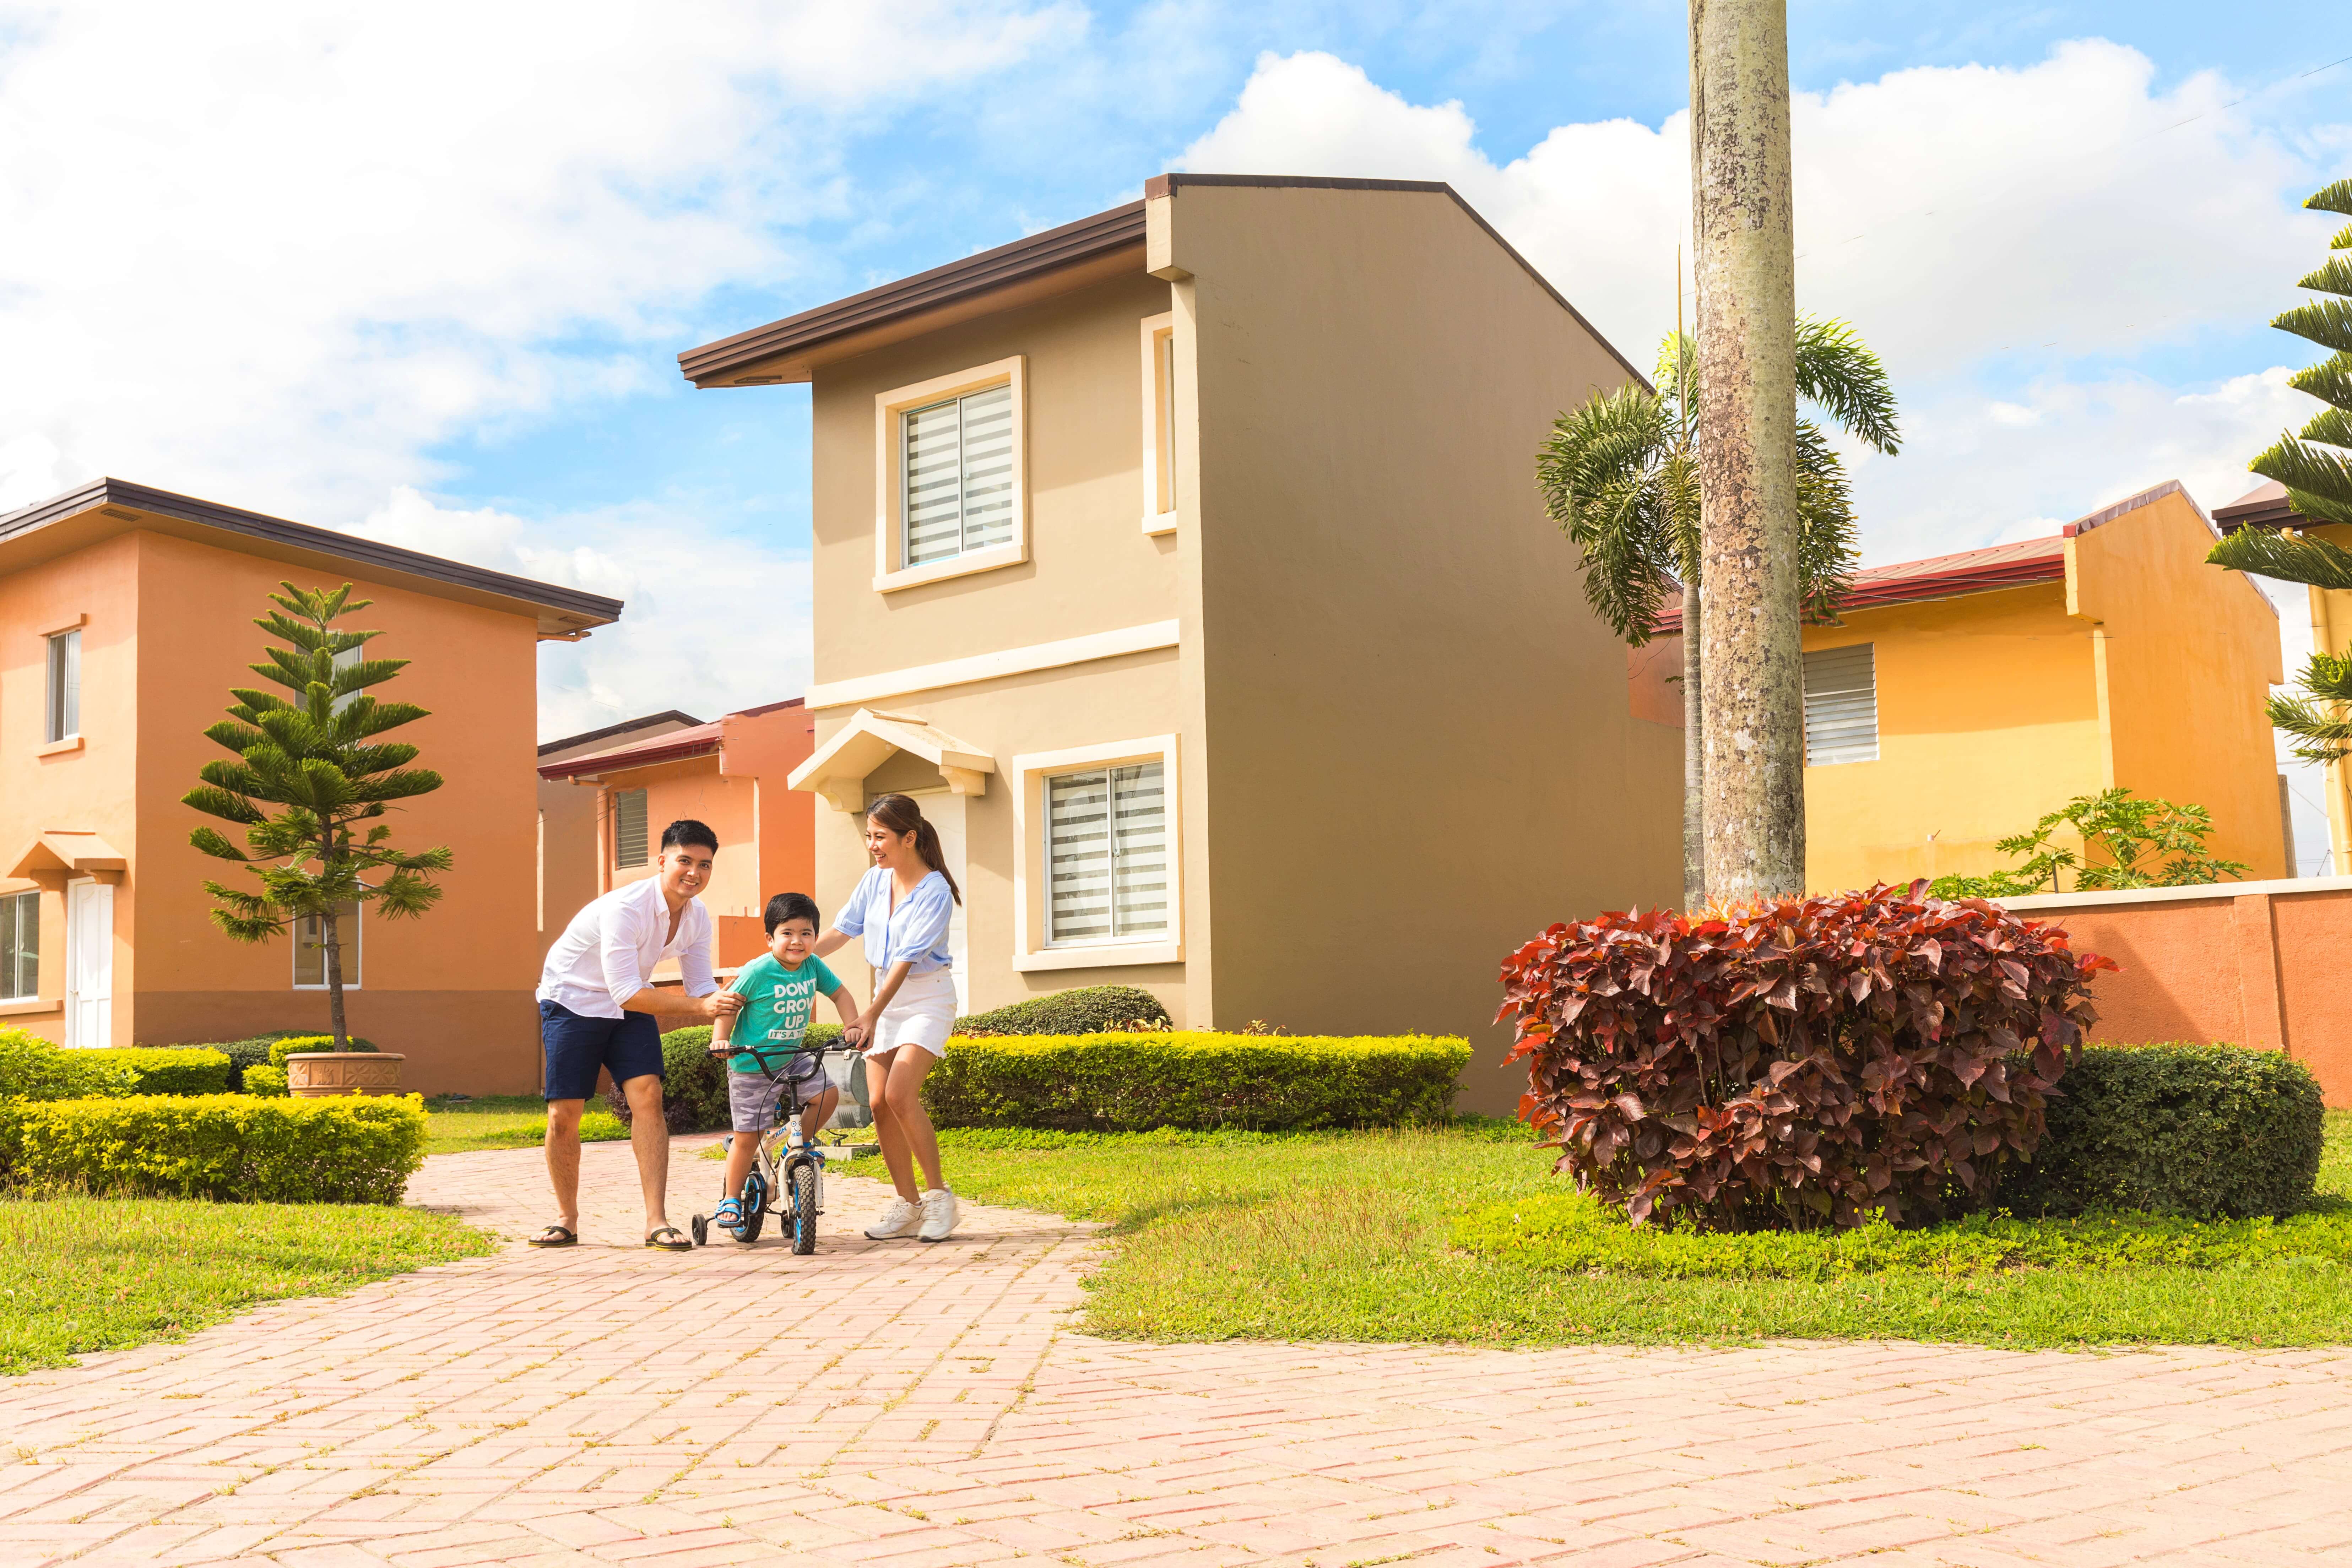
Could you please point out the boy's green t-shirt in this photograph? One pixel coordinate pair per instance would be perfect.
(777, 1004)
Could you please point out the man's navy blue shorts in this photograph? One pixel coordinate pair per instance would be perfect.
(573, 1048)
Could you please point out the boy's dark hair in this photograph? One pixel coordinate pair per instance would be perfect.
(686, 832)
(792, 907)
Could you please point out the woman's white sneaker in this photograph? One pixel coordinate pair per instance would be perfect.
(938, 1216)
(896, 1220)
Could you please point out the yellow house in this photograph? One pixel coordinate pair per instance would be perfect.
(1186, 562)
(2266, 505)
(1964, 696)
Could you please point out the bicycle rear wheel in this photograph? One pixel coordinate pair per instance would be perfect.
(755, 1209)
(805, 1208)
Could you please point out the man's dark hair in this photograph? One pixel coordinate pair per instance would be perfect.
(792, 907)
(686, 832)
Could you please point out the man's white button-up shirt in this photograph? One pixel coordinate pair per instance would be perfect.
(604, 955)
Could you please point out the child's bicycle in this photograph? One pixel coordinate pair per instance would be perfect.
(787, 1175)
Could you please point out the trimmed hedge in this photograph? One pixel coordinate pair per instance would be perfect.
(171, 1070)
(2200, 1132)
(694, 1082)
(356, 1148)
(310, 1045)
(255, 1052)
(1133, 1083)
(1087, 1010)
(35, 1068)
(267, 1081)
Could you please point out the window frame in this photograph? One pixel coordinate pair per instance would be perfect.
(32, 898)
(55, 683)
(357, 946)
(1877, 746)
(1031, 870)
(647, 851)
(891, 571)
(1161, 501)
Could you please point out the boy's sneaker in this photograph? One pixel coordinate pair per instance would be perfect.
(939, 1214)
(896, 1220)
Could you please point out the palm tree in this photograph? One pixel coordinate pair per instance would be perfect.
(2317, 473)
(1619, 475)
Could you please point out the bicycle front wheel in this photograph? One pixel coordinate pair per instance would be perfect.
(805, 1208)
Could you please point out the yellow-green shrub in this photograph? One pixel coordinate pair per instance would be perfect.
(309, 1045)
(344, 1149)
(267, 1082)
(170, 1069)
(34, 1069)
(1132, 1083)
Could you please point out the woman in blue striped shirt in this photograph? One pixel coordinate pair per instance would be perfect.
(902, 907)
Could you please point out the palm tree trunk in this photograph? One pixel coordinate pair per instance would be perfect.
(1754, 713)
(1693, 760)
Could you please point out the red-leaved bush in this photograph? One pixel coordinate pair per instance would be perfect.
(1796, 1064)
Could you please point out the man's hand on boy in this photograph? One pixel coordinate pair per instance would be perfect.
(723, 1003)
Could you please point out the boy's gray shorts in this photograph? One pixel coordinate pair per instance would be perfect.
(753, 1100)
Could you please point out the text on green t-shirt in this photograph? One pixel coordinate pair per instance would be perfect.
(777, 1003)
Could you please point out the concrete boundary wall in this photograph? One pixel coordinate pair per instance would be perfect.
(2265, 965)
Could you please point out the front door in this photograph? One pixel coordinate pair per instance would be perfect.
(89, 963)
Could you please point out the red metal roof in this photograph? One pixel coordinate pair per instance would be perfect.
(2014, 565)
(676, 746)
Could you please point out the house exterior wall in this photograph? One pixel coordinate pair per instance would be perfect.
(169, 632)
(94, 787)
(2188, 652)
(1417, 746)
(1988, 717)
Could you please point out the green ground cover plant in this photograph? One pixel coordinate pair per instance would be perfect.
(1350, 1235)
(503, 1121)
(1135, 1083)
(79, 1274)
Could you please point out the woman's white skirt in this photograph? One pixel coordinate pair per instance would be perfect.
(922, 1014)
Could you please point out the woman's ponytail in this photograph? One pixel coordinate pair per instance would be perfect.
(900, 815)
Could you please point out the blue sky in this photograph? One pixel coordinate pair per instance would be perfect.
(423, 273)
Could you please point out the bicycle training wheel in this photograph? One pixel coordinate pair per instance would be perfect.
(700, 1227)
(755, 1209)
(804, 1209)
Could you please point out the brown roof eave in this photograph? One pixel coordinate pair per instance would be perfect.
(719, 363)
(562, 612)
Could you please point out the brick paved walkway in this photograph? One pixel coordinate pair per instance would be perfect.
(904, 1405)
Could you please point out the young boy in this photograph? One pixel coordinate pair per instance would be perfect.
(780, 989)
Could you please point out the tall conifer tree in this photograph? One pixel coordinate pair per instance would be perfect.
(317, 760)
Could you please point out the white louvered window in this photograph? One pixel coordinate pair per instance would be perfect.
(959, 475)
(64, 682)
(628, 828)
(20, 946)
(1841, 706)
(311, 949)
(1107, 854)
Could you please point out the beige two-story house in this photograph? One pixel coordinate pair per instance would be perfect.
(1186, 562)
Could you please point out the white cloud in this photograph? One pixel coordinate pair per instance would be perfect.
(712, 620)
(273, 254)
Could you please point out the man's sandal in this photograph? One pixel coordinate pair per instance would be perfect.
(555, 1236)
(677, 1244)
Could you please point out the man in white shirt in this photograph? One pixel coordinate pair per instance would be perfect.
(599, 1012)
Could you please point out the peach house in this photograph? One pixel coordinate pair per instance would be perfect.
(125, 616)
(567, 819)
(732, 774)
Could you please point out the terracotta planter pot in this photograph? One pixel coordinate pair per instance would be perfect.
(316, 1074)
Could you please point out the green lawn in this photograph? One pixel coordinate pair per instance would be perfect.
(502, 1121)
(81, 1274)
(1345, 1236)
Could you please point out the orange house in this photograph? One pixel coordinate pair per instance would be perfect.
(732, 775)
(567, 819)
(125, 617)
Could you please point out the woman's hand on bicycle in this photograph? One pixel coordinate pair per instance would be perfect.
(854, 1035)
